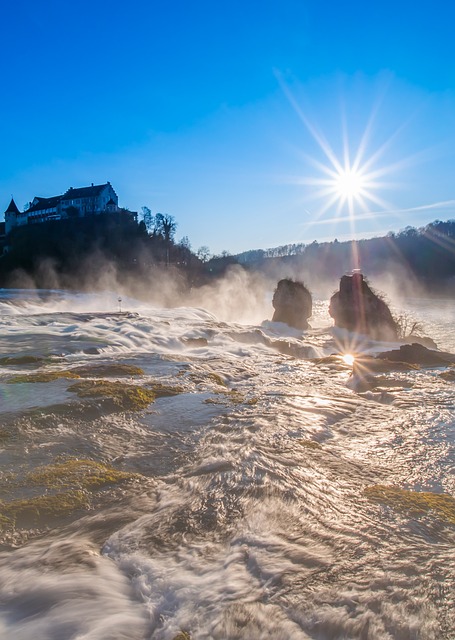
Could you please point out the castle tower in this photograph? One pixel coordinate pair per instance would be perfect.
(11, 216)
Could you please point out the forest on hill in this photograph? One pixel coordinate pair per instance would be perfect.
(86, 253)
(423, 257)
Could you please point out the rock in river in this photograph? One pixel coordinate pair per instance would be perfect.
(292, 303)
(356, 307)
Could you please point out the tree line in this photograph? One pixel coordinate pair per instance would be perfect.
(426, 254)
(75, 247)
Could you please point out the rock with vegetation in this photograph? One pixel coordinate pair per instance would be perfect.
(60, 489)
(20, 360)
(118, 395)
(292, 303)
(416, 503)
(356, 307)
(77, 474)
(111, 369)
(42, 376)
(41, 509)
(4, 434)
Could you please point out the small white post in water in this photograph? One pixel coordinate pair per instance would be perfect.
(120, 305)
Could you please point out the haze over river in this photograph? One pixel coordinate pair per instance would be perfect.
(241, 503)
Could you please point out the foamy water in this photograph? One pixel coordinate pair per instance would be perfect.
(249, 519)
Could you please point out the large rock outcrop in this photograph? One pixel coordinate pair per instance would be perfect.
(356, 308)
(292, 303)
(418, 354)
(408, 357)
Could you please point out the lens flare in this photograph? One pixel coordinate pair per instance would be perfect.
(349, 181)
(346, 186)
(348, 359)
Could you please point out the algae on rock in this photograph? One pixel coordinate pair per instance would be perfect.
(42, 376)
(414, 502)
(309, 444)
(123, 397)
(114, 369)
(163, 390)
(83, 474)
(31, 511)
(77, 479)
(4, 434)
(19, 360)
(207, 376)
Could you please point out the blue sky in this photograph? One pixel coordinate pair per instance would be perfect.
(219, 112)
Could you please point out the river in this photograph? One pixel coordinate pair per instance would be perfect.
(246, 501)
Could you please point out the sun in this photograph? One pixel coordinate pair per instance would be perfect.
(350, 180)
(346, 186)
(349, 184)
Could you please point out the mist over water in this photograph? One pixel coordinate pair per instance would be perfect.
(247, 515)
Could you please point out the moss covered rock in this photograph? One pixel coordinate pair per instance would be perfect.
(63, 488)
(32, 511)
(42, 376)
(162, 390)
(414, 502)
(309, 444)
(121, 396)
(81, 474)
(209, 377)
(4, 434)
(20, 360)
(113, 370)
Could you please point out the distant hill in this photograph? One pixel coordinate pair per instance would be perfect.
(422, 257)
(91, 252)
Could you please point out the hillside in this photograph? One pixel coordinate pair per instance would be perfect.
(422, 258)
(112, 249)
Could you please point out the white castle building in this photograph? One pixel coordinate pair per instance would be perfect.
(73, 203)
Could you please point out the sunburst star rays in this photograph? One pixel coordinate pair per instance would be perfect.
(349, 184)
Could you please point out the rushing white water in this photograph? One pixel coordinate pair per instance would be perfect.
(249, 519)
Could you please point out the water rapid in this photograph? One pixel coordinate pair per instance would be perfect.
(245, 501)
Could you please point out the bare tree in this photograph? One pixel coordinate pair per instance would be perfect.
(166, 226)
(185, 242)
(203, 253)
(149, 220)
